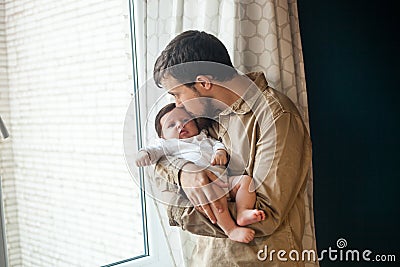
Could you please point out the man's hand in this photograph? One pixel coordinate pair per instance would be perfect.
(143, 159)
(220, 157)
(203, 188)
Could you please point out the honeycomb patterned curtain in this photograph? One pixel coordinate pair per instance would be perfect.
(261, 35)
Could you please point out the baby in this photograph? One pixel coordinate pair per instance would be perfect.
(181, 138)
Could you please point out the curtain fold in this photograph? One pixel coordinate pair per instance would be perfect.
(260, 35)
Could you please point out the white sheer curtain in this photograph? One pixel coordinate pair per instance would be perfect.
(261, 35)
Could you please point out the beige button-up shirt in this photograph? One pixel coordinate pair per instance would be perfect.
(266, 139)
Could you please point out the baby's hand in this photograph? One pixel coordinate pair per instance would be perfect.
(220, 157)
(143, 159)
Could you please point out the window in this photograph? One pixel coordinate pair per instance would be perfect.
(137, 132)
(69, 198)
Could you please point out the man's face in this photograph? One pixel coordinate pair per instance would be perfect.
(186, 97)
(178, 124)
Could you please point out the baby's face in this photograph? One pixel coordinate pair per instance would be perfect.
(178, 124)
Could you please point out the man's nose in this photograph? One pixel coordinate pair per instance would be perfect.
(178, 103)
(180, 124)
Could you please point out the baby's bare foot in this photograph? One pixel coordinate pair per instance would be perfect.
(247, 217)
(241, 234)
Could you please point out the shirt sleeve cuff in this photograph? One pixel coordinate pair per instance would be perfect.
(174, 172)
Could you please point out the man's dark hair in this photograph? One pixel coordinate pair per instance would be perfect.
(194, 46)
(169, 107)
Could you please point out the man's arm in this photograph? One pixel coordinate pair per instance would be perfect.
(169, 169)
(281, 165)
(281, 176)
(201, 187)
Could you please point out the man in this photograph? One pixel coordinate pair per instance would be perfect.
(266, 139)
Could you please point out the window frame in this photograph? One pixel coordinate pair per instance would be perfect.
(3, 238)
(3, 242)
(157, 251)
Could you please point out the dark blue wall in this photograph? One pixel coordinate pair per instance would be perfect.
(351, 52)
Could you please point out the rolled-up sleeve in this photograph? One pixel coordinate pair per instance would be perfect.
(169, 168)
(180, 211)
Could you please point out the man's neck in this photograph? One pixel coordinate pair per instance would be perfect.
(230, 91)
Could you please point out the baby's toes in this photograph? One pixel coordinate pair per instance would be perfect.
(260, 215)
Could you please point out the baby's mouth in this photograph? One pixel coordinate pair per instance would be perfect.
(183, 132)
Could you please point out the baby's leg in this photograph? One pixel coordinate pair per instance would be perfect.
(234, 232)
(245, 197)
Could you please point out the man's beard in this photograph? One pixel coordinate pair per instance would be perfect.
(210, 109)
(209, 115)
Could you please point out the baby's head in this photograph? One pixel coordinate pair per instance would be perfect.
(172, 122)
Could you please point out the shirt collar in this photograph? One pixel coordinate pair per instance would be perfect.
(244, 104)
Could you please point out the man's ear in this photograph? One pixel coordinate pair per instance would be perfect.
(204, 82)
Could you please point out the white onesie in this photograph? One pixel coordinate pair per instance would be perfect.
(198, 149)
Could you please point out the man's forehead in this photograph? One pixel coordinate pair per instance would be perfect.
(170, 83)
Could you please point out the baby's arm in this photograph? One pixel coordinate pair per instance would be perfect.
(220, 156)
(143, 158)
(150, 155)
